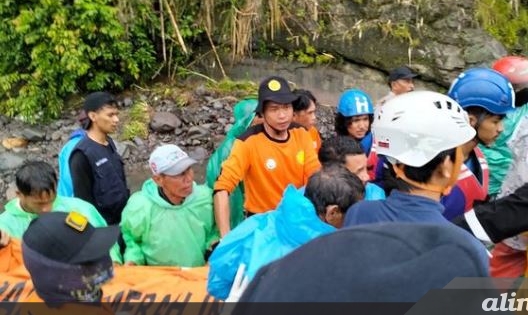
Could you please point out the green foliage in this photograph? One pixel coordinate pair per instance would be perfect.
(503, 22)
(240, 88)
(136, 124)
(58, 47)
(307, 54)
(401, 31)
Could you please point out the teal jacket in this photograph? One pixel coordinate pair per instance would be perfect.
(15, 221)
(374, 192)
(158, 233)
(65, 185)
(499, 154)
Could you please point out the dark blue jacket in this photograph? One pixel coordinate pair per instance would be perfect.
(398, 207)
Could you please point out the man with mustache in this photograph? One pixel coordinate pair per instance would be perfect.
(400, 81)
(170, 221)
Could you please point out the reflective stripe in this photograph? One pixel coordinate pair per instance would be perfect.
(476, 227)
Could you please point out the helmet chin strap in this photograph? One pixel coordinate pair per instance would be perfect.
(480, 118)
(443, 190)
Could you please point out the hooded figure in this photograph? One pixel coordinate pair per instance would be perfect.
(244, 113)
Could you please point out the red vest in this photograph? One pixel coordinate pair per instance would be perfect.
(469, 183)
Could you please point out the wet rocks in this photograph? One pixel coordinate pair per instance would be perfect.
(164, 122)
(198, 127)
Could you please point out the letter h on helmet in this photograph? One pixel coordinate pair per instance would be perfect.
(355, 102)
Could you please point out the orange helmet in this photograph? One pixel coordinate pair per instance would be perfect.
(515, 68)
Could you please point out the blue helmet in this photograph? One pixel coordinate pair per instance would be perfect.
(354, 103)
(483, 87)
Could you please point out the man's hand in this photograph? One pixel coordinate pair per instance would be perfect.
(4, 239)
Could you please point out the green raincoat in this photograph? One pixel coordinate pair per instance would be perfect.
(499, 155)
(15, 221)
(160, 234)
(244, 112)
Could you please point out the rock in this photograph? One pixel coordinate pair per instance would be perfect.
(324, 131)
(201, 90)
(218, 105)
(122, 149)
(10, 143)
(10, 161)
(168, 104)
(197, 132)
(195, 142)
(388, 34)
(57, 124)
(214, 126)
(483, 51)
(11, 191)
(138, 141)
(207, 126)
(164, 122)
(227, 127)
(33, 134)
(57, 135)
(199, 154)
(127, 102)
(178, 131)
(222, 121)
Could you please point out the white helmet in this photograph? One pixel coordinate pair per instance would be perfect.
(415, 127)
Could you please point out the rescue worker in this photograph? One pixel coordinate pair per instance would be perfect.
(267, 157)
(354, 117)
(487, 96)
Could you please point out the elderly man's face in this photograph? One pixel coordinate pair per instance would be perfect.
(176, 187)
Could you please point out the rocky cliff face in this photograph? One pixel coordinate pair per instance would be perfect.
(437, 38)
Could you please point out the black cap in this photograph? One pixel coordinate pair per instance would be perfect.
(275, 89)
(401, 73)
(69, 238)
(96, 100)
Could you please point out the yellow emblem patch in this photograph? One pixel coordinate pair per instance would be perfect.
(76, 221)
(274, 85)
(300, 157)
